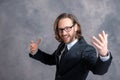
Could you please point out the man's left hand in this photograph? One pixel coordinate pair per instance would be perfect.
(101, 44)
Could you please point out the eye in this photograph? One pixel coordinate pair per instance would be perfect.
(68, 29)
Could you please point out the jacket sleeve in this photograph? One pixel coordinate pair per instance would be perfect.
(44, 57)
(101, 67)
(94, 63)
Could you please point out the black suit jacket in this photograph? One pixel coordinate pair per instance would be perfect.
(76, 63)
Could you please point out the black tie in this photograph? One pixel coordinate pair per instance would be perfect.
(64, 52)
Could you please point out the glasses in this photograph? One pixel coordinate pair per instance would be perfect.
(67, 28)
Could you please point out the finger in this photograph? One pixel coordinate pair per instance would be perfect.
(32, 51)
(31, 41)
(96, 45)
(96, 40)
(103, 34)
(32, 48)
(106, 38)
(31, 44)
(38, 42)
(101, 38)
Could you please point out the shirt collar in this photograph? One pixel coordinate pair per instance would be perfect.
(71, 44)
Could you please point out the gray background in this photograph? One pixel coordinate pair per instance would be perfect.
(24, 20)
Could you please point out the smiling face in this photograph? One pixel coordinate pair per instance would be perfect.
(67, 30)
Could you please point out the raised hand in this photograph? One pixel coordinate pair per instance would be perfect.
(34, 46)
(101, 44)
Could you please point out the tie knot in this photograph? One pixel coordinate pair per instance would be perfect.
(66, 49)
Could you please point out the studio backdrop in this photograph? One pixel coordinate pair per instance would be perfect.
(24, 20)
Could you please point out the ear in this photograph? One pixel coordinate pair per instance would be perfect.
(76, 27)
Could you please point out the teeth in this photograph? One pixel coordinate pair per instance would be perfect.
(65, 37)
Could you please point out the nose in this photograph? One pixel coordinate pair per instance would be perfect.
(64, 32)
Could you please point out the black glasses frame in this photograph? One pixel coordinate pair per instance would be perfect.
(67, 28)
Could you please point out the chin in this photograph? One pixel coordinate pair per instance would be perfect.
(66, 42)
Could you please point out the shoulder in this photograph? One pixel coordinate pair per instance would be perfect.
(84, 45)
(87, 49)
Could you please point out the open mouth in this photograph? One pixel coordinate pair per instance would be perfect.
(65, 38)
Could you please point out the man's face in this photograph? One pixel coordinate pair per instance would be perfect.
(67, 30)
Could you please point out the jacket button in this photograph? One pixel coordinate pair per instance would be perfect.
(59, 76)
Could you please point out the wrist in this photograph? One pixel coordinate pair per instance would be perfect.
(104, 55)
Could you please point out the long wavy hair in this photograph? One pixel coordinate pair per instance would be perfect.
(74, 20)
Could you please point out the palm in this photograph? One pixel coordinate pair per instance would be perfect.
(101, 44)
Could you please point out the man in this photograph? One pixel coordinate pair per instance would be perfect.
(74, 58)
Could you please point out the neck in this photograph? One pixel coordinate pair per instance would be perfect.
(69, 45)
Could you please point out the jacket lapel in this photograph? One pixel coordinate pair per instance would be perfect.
(57, 54)
(73, 55)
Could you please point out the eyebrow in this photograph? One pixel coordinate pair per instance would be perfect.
(68, 26)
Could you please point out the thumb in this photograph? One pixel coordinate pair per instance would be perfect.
(38, 42)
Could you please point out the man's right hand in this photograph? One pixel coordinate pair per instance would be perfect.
(34, 46)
